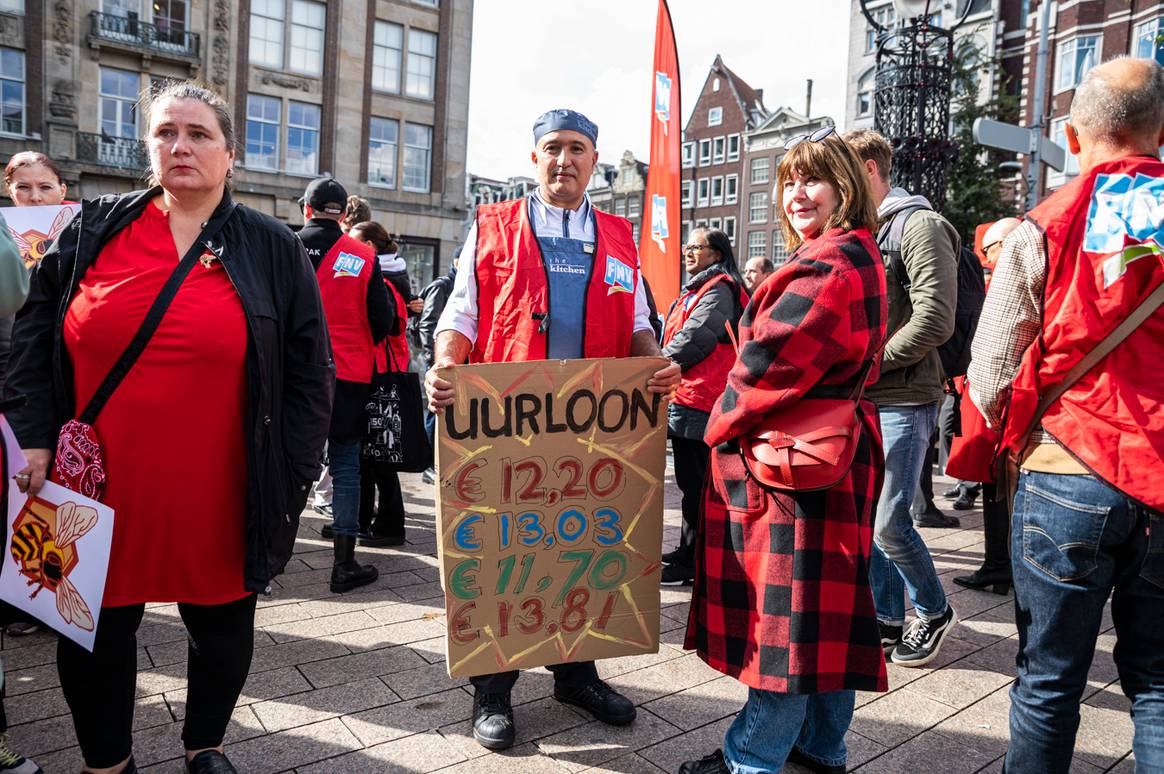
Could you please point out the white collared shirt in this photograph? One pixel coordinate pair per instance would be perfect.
(461, 312)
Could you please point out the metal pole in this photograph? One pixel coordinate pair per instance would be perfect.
(1035, 164)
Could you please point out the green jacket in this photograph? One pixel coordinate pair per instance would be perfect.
(13, 275)
(922, 319)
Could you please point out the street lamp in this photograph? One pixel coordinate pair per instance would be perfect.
(912, 95)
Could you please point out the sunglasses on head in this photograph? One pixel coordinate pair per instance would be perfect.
(816, 136)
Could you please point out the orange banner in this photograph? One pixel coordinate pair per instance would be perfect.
(659, 239)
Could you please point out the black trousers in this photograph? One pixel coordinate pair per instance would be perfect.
(691, 460)
(389, 518)
(574, 675)
(99, 686)
(995, 528)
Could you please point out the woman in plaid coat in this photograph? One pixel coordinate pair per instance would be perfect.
(782, 599)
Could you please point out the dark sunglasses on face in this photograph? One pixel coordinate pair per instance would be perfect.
(816, 136)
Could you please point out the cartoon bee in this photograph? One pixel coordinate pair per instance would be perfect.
(33, 244)
(46, 557)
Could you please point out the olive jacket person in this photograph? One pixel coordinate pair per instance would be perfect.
(290, 374)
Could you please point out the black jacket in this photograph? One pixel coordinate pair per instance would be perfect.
(290, 373)
(435, 296)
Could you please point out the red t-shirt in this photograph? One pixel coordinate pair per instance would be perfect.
(173, 432)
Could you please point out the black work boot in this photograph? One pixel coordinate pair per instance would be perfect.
(346, 573)
(493, 720)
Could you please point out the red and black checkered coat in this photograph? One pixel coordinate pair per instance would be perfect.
(782, 599)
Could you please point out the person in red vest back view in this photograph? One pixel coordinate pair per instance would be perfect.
(359, 316)
(1081, 410)
(576, 269)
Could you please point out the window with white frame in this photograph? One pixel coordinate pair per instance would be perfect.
(717, 150)
(387, 47)
(729, 228)
(267, 24)
(634, 207)
(263, 119)
(422, 51)
(688, 155)
(733, 147)
(757, 243)
(865, 94)
(684, 231)
(417, 157)
(715, 116)
(885, 16)
(716, 191)
(635, 231)
(716, 224)
(1148, 41)
(704, 152)
(620, 207)
(758, 208)
(12, 6)
(701, 223)
(383, 139)
(302, 138)
(760, 170)
(687, 188)
(1073, 58)
(11, 91)
(307, 23)
(119, 95)
(731, 189)
(704, 192)
(778, 253)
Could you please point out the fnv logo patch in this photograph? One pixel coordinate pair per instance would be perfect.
(1125, 222)
(619, 276)
(348, 265)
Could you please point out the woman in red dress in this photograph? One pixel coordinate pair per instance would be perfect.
(209, 441)
(782, 600)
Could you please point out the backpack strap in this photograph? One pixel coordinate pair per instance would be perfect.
(889, 239)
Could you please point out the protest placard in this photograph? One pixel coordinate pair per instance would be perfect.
(57, 553)
(35, 228)
(550, 512)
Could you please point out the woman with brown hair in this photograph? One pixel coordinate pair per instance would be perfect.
(210, 438)
(782, 599)
(32, 179)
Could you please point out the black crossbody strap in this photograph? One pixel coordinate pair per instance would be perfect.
(154, 316)
(1109, 342)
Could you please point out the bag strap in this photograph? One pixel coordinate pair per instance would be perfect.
(889, 239)
(1109, 342)
(153, 317)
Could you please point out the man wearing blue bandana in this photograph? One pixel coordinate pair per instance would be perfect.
(546, 277)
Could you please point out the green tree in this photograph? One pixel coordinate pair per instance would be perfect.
(976, 192)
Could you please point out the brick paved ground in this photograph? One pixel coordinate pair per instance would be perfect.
(357, 683)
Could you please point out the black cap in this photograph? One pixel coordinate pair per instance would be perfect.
(325, 194)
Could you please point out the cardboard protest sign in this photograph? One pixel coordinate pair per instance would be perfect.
(550, 512)
(35, 228)
(57, 554)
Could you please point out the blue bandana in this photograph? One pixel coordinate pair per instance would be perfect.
(564, 120)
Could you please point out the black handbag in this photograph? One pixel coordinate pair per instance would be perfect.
(396, 437)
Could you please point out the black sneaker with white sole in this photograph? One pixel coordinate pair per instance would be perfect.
(922, 640)
(890, 636)
(678, 575)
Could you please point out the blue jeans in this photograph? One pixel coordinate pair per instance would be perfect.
(1075, 540)
(901, 562)
(760, 738)
(345, 486)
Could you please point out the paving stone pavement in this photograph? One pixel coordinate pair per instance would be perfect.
(357, 683)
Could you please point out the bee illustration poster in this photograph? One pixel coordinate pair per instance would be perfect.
(35, 228)
(550, 512)
(56, 554)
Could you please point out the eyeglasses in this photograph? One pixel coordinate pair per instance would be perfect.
(694, 248)
(986, 248)
(816, 136)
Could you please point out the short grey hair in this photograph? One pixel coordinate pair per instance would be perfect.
(1109, 111)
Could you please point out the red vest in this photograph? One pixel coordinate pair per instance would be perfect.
(343, 276)
(1112, 419)
(513, 291)
(398, 344)
(704, 382)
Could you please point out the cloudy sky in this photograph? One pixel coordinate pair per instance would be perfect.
(595, 56)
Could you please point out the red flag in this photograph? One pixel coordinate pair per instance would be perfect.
(659, 247)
